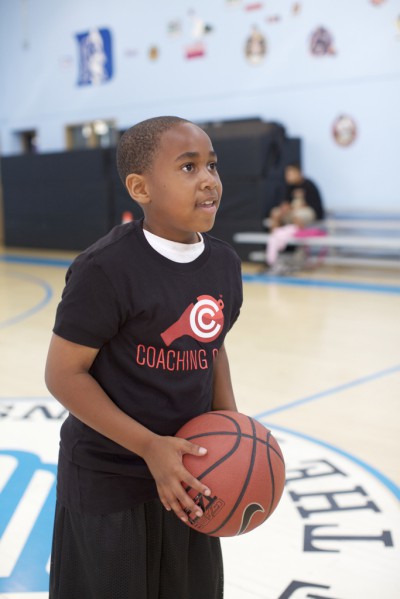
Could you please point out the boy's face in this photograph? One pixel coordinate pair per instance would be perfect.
(183, 186)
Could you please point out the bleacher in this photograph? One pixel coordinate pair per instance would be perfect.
(351, 237)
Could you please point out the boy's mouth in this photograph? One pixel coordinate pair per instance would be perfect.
(209, 205)
(208, 202)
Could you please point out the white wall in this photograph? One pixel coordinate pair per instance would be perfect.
(306, 93)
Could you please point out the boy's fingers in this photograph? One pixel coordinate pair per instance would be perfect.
(181, 502)
(190, 481)
(194, 449)
(164, 502)
(185, 506)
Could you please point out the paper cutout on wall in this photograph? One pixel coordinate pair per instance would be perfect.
(296, 8)
(131, 52)
(256, 46)
(321, 43)
(273, 19)
(153, 53)
(95, 57)
(196, 50)
(199, 27)
(174, 28)
(344, 130)
(254, 6)
(377, 2)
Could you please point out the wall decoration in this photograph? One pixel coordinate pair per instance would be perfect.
(377, 2)
(321, 43)
(199, 27)
(131, 52)
(174, 28)
(254, 6)
(273, 19)
(153, 53)
(95, 57)
(296, 8)
(344, 130)
(256, 46)
(197, 50)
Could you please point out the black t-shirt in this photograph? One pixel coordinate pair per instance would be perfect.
(311, 196)
(159, 325)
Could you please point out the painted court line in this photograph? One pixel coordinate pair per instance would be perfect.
(387, 482)
(35, 261)
(247, 278)
(48, 293)
(320, 283)
(332, 391)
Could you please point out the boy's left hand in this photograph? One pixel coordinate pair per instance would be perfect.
(164, 459)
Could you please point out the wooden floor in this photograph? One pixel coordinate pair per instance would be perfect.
(315, 357)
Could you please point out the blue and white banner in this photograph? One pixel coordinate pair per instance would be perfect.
(95, 56)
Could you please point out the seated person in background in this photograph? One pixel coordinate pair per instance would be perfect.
(302, 204)
(301, 207)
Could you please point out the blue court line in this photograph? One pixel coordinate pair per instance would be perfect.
(14, 259)
(387, 482)
(48, 293)
(331, 391)
(248, 278)
(343, 285)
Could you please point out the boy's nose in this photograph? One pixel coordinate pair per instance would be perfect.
(209, 180)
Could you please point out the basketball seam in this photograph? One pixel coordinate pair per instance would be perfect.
(245, 435)
(272, 477)
(245, 484)
(238, 435)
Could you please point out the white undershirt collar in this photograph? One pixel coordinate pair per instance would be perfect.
(173, 250)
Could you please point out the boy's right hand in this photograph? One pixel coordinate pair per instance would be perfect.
(163, 457)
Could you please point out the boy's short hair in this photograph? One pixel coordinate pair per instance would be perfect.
(138, 145)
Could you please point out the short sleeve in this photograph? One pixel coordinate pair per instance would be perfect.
(89, 312)
(238, 292)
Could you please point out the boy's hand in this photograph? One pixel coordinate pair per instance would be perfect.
(163, 456)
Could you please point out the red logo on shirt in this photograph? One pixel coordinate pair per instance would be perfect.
(202, 320)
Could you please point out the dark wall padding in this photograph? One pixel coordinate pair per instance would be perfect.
(59, 201)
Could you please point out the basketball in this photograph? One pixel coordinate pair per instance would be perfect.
(244, 469)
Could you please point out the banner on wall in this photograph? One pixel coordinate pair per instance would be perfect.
(95, 64)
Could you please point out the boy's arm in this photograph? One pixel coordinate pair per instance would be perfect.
(68, 379)
(223, 396)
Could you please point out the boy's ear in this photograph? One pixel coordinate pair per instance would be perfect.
(136, 186)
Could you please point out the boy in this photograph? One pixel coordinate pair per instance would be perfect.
(137, 351)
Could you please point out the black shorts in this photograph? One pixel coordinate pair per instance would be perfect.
(141, 553)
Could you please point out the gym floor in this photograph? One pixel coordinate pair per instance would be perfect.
(316, 357)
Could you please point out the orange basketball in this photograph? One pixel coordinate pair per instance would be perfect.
(243, 467)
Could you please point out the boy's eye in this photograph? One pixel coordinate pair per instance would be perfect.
(188, 167)
(213, 166)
